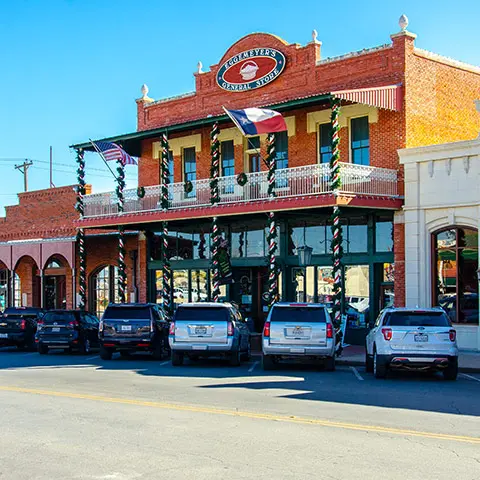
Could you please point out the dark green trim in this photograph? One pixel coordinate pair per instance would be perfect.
(131, 142)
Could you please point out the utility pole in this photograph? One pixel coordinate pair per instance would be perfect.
(51, 168)
(23, 168)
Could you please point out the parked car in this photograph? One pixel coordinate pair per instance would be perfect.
(412, 339)
(67, 329)
(133, 327)
(209, 329)
(298, 331)
(18, 326)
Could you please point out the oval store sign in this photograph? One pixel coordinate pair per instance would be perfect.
(251, 69)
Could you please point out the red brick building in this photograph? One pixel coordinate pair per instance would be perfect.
(393, 96)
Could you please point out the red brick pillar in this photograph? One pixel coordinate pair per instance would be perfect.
(399, 259)
(142, 271)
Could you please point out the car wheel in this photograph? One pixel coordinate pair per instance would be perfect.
(330, 364)
(451, 372)
(42, 349)
(106, 353)
(267, 362)
(85, 348)
(177, 359)
(236, 358)
(368, 362)
(379, 367)
(248, 353)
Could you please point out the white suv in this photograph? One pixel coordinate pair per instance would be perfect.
(412, 339)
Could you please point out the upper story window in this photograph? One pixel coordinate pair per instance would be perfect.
(360, 138)
(252, 154)
(170, 167)
(190, 168)
(325, 142)
(281, 151)
(227, 165)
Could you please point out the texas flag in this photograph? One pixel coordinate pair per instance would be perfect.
(253, 121)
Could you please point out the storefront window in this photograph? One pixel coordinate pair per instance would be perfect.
(159, 286)
(383, 234)
(180, 286)
(304, 280)
(199, 290)
(250, 243)
(105, 289)
(455, 273)
(357, 235)
(357, 290)
(3, 289)
(325, 285)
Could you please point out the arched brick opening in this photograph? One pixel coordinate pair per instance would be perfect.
(27, 290)
(57, 283)
(102, 288)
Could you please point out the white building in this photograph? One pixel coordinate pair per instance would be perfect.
(442, 219)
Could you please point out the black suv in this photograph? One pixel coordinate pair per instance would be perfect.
(18, 326)
(133, 327)
(68, 330)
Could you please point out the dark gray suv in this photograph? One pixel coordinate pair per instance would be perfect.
(133, 327)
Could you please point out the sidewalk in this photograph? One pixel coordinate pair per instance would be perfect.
(468, 362)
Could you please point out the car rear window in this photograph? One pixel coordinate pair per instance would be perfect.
(59, 317)
(417, 319)
(298, 314)
(127, 313)
(21, 312)
(204, 314)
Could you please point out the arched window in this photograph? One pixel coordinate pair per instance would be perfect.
(105, 289)
(54, 264)
(455, 281)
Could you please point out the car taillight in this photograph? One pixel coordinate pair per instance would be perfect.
(230, 329)
(452, 335)
(387, 334)
(266, 329)
(72, 324)
(40, 324)
(329, 330)
(23, 324)
(100, 326)
(171, 330)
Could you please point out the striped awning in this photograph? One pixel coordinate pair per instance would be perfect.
(389, 97)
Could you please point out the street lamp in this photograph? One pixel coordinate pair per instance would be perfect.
(304, 255)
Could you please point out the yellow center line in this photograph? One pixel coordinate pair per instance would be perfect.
(245, 414)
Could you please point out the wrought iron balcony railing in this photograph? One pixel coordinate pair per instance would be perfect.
(290, 182)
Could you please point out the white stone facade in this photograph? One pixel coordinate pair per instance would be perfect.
(442, 189)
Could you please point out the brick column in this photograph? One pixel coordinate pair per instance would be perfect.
(142, 271)
(399, 258)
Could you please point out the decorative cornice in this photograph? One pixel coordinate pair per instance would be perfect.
(170, 99)
(358, 53)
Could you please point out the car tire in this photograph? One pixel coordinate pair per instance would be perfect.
(268, 363)
(85, 348)
(451, 372)
(248, 353)
(368, 362)
(379, 367)
(42, 349)
(330, 364)
(236, 358)
(177, 359)
(106, 353)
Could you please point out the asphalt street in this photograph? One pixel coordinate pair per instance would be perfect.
(78, 417)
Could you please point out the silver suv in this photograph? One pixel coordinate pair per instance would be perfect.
(208, 329)
(412, 339)
(298, 330)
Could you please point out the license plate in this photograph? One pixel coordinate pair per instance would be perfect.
(199, 347)
(297, 350)
(421, 338)
(55, 329)
(3, 335)
(200, 330)
(126, 328)
(298, 332)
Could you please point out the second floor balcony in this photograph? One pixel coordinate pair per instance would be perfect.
(296, 182)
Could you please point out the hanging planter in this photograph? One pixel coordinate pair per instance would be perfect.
(242, 179)
(140, 192)
(188, 186)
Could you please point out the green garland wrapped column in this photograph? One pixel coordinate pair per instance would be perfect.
(80, 208)
(272, 226)
(165, 172)
(215, 199)
(120, 186)
(122, 268)
(337, 234)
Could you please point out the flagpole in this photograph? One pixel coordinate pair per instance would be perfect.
(103, 158)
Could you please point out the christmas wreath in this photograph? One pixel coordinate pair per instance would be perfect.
(242, 179)
(188, 186)
(140, 192)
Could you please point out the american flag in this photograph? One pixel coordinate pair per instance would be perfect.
(111, 151)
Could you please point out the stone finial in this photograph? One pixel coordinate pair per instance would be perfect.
(199, 67)
(144, 91)
(403, 22)
(314, 36)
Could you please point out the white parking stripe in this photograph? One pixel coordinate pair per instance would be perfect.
(252, 368)
(470, 377)
(92, 358)
(165, 363)
(355, 372)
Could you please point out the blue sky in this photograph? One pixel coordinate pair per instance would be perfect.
(71, 69)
